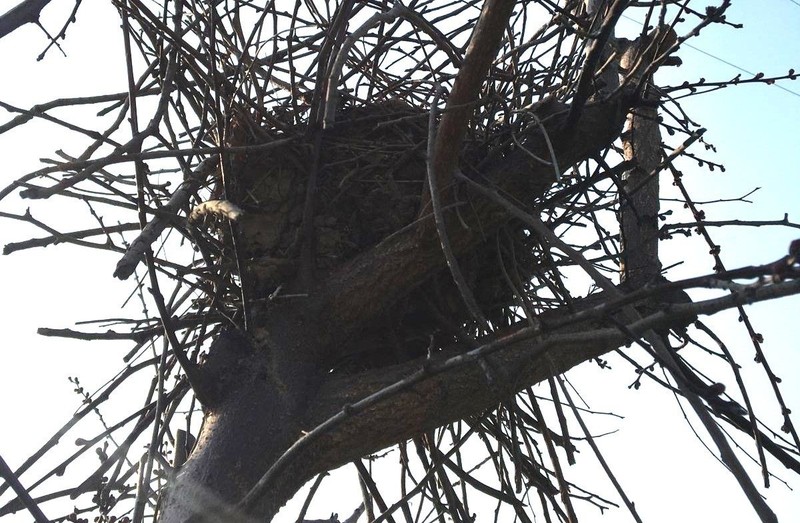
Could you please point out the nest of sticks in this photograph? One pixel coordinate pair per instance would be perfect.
(370, 173)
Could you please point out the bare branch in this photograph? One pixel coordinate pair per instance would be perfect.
(153, 230)
(27, 11)
(8, 475)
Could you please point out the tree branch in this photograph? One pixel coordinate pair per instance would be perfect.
(355, 415)
(25, 12)
(483, 46)
(371, 282)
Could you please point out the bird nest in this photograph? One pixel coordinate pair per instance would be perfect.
(367, 175)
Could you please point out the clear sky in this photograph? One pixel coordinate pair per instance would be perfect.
(666, 471)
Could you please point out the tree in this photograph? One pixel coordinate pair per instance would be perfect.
(392, 212)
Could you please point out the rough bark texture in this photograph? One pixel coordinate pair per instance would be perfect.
(639, 206)
(394, 267)
(273, 387)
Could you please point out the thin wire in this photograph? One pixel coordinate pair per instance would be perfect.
(742, 69)
(731, 64)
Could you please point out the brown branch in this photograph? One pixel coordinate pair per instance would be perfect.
(355, 416)
(89, 336)
(29, 115)
(665, 356)
(441, 229)
(732, 223)
(331, 96)
(378, 278)
(640, 203)
(483, 47)
(563, 488)
(78, 416)
(62, 33)
(594, 53)
(59, 237)
(754, 337)
(598, 454)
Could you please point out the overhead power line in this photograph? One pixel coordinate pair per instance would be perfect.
(726, 62)
(738, 68)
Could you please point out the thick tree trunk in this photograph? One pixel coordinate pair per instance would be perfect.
(272, 387)
(246, 433)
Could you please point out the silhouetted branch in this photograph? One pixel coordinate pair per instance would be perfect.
(27, 11)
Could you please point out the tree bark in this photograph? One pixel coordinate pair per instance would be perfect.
(275, 388)
(243, 435)
(640, 204)
(272, 386)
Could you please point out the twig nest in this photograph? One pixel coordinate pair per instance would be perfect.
(368, 178)
(368, 174)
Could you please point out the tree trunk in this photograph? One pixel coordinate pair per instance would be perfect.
(272, 387)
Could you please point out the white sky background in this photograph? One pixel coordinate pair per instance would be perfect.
(664, 469)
